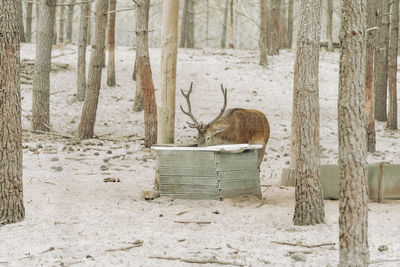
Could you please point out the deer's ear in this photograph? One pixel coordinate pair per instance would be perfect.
(220, 128)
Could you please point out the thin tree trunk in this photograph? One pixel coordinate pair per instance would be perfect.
(329, 16)
(224, 24)
(28, 33)
(88, 119)
(169, 51)
(290, 24)
(21, 22)
(238, 24)
(55, 26)
(70, 21)
(392, 65)
(184, 24)
(105, 36)
(309, 208)
(82, 43)
(138, 104)
(11, 187)
(190, 25)
(61, 24)
(263, 33)
(146, 79)
(111, 44)
(282, 28)
(381, 63)
(207, 21)
(231, 28)
(41, 79)
(274, 41)
(37, 16)
(89, 31)
(353, 184)
(370, 77)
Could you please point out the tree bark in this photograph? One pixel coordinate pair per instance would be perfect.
(290, 24)
(28, 21)
(224, 25)
(11, 187)
(184, 26)
(82, 43)
(282, 27)
(89, 31)
(370, 77)
(353, 184)
(88, 119)
(111, 44)
(138, 104)
(231, 28)
(55, 26)
(169, 51)
(207, 20)
(190, 25)
(329, 16)
(70, 21)
(144, 70)
(309, 208)
(21, 22)
(392, 65)
(274, 42)
(41, 79)
(37, 16)
(105, 36)
(61, 23)
(263, 33)
(381, 63)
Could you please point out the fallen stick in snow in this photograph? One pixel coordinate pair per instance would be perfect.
(383, 261)
(305, 246)
(192, 222)
(136, 244)
(199, 261)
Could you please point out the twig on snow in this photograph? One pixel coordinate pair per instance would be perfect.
(302, 245)
(198, 261)
(198, 222)
(136, 244)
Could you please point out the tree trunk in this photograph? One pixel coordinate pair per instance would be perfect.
(37, 16)
(224, 25)
(207, 21)
(231, 28)
(353, 184)
(381, 63)
(28, 33)
(282, 27)
(392, 65)
(169, 51)
(290, 24)
(190, 25)
(274, 33)
(21, 22)
(184, 24)
(105, 36)
(138, 104)
(370, 77)
(309, 208)
(88, 119)
(55, 26)
(263, 33)
(111, 44)
(70, 21)
(41, 79)
(82, 43)
(11, 187)
(61, 24)
(329, 16)
(89, 31)
(144, 70)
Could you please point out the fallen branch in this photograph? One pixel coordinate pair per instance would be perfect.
(383, 261)
(199, 222)
(262, 204)
(302, 245)
(47, 250)
(198, 261)
(50, 133)
(136, 244)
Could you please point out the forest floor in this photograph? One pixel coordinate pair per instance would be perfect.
(73, 217)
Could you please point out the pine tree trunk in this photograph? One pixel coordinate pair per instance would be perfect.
(61, 23)
(381, 63)
(70, 21)
(169, 51)
(370, 77)
(309, 208)
(146, 79)
(88, 119)
(184, 24)
(82, 43)
(21, 22)
(11, 187)
(231, 28)
(263, 33)
(190, 25)
(290, 24)
(28, 33)
(392, 65)
(111, 44)
(41, 79)
(273, 30)
(329, 17)
(224, 25)
(353, 184)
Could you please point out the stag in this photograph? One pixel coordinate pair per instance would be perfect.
(231, 126)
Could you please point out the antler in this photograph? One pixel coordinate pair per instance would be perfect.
(195, 124)
(224, 91)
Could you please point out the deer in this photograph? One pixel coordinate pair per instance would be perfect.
(231, 126)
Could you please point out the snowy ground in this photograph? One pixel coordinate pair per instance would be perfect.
(74, 218)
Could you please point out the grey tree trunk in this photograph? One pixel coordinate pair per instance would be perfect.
(329, 16)
(111, 44)
(184, 24)
(82, 43)
(61, 23)
(353, 184)
(309, 208)
(207, 20)
(231, 28)
(28, 22)
(370, 77)
(381, 63)
(283, 28)
(55, 26)
(89, 31)
(144, 72)
(37, 16)
(224, 24)
(274, 41)
(41, 79)
(138, 104)
(263, 33)
(290, 24)
(21, 22)
(70, 21)
(392, 65)
(11, 187)
(105, 36)
(190, 25)
(88, 119)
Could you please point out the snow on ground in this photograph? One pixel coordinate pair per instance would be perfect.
(74, 218)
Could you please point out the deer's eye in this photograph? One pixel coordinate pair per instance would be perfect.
(208, 138)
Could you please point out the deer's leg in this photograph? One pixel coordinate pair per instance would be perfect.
(261, 153)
